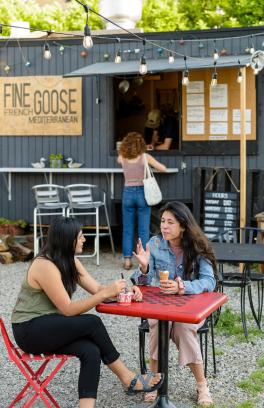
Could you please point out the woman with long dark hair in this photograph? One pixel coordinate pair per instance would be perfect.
(183, 250)
(45, 319)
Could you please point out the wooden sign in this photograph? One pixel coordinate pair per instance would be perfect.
(40, 106)
(221, 212)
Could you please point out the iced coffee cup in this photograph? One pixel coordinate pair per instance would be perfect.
(164, 275)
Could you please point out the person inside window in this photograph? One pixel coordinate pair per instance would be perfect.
(161, 131)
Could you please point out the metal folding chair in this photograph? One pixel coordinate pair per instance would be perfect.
(48, 204)
(208, 325)
(243, 281)
(36, 387)
(86, 200)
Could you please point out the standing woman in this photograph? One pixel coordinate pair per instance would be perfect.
(131, 157)
(182, 249)
(46, 320)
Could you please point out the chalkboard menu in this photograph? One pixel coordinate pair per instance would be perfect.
(221, 212)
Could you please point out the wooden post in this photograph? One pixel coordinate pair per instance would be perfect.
(243, 150)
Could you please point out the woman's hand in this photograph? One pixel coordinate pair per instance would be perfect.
(169, 287)
(142, 256)
(137, 293)
(114, 288)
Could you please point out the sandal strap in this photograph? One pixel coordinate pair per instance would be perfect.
(144, 382)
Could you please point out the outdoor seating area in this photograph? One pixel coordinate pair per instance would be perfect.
(236, 358)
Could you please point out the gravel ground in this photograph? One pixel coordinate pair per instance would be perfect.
(235, 363)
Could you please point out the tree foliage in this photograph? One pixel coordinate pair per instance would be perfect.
(157, 15)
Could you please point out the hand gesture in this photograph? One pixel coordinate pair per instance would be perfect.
(142, 256)
(115, 288)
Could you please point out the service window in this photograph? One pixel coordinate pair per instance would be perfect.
(151, 106)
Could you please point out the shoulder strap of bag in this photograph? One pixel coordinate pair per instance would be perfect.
(147, 169)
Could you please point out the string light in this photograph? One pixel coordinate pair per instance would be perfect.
(216, 55)
(239, 75)
(61, 50)
(47, 52)
(256, 69)
(7, 69)
(27, 64)
(143, 69)
(214, 76)
(87, 38)
(118, 58)
(171, 58)
(185, 79)
(252, 48)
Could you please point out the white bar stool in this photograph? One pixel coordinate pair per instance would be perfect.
(48, 204)
(82, 201)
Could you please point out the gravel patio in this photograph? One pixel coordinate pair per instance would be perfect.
(235, 361)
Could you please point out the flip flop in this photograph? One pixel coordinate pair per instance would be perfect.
(145, 383)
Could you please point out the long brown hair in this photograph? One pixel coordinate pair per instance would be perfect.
(132, 146)
(194, 242)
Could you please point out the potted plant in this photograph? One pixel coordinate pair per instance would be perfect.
(56, 160)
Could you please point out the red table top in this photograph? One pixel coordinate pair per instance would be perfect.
(156, 305)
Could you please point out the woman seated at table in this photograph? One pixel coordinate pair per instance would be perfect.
(46, 319)
(184, 251)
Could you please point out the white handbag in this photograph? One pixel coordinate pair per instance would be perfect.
(152, 191)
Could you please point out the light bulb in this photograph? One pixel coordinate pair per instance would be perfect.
(256, 69)
(47, 53)
(185, 79)
(252, 49)
(118, 57)
(143, 69)
(87, 39)
(216, 55)
(214, 79)
(171, 58)
(239, 77)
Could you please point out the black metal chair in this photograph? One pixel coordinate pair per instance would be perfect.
(247, 235)
(208, 325)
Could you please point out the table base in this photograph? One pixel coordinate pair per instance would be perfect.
(162, 402)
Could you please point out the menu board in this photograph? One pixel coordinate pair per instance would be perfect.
(221, 212)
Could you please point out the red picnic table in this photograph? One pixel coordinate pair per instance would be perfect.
(165, 308)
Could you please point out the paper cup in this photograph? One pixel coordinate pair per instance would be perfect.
(164, 275)
(125, 298)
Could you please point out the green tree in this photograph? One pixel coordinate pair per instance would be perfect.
(159, 15)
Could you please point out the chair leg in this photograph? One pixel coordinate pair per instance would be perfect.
(260, 297)
(109, 230)
(35, 231)
(213, 343)
(243, 311)
(142, 359)
(256, 317)
(96, 243)
(33, 381)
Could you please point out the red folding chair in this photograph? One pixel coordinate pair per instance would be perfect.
(35, 387)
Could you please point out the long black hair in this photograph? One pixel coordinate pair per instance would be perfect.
(194, 242)
(60, 249)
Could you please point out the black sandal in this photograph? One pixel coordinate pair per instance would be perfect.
(145, 382)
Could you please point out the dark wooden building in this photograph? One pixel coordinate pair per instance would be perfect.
(84, 119)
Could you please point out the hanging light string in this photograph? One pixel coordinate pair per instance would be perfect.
(137, 37)
(185, 78)
(214, 76)
(239, 74)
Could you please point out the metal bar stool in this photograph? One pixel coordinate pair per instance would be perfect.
(86, 200)
(48, 204)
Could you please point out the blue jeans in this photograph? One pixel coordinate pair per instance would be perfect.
(134, 203)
